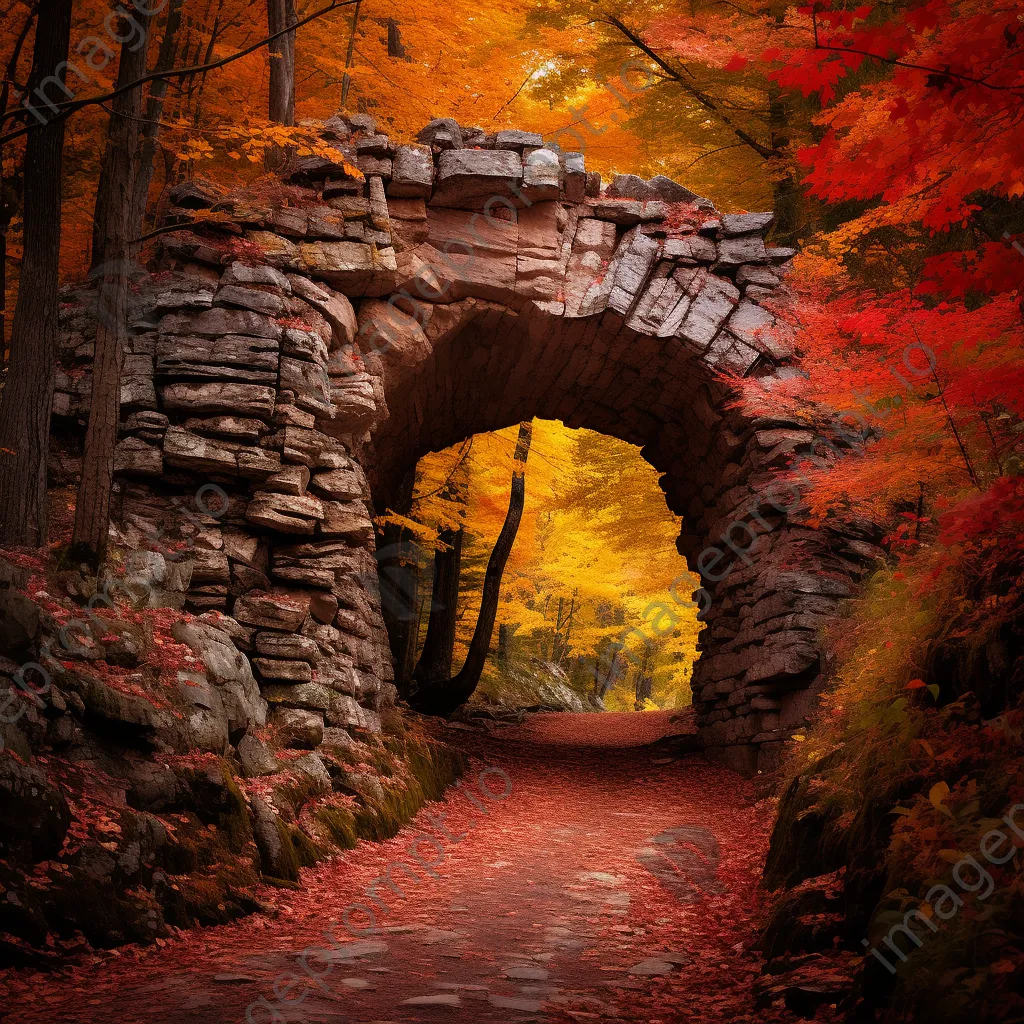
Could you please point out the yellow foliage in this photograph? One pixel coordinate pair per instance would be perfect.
(596, 536)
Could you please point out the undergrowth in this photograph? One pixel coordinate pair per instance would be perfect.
(914, 758)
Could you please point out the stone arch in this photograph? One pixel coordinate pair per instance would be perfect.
(351, 324)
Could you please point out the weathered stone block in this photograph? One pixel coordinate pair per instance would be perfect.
(757, 275)
(745, 223)
(468, 179)
(272, 611)
(216, 322)
(254, 299)
(631, 269)
(412, 175)
(245, 399)
(306, 696)
(287, 671)
(593, 235)
(133, 455)
(308, 382)
(239, 273)
(575, 178)
(200, 454)
(347, 519)
(288, 480)
(709, 310)
(540, 176)
(626, 212)
(670, 191)
(285, 513)
(441, 133)
(733, 252)
(510, 138)
(691, 250)
(253, 360)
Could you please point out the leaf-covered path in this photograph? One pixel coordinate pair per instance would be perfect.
(609, 883)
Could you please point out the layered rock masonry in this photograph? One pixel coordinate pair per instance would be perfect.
(301, 346)
(229, 378)
(146, 782)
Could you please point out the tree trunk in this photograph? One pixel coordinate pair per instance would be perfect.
(112, 270)
(643, 681)
(438, 647)
(399, 578)
(8, 205)
(281, 15)
(441, 695)
(395, 45)
(346, 80)
(506, 631)
(154, 111)
(28, 395)
(787, 194)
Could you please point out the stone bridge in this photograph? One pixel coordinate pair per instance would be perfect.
(303, 346)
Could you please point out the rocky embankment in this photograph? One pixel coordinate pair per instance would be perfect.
(146, 782)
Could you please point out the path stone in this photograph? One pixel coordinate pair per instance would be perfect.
(526, 973)
(651, 968)
(353, 950)
(517, 1003)
(443, 999)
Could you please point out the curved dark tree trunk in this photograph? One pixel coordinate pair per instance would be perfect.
(10, 188)
(27, 399)
(441, 694)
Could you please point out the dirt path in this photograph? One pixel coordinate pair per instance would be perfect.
(568, 879)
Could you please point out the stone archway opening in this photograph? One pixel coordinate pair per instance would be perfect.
(595, 611)
(605, 320)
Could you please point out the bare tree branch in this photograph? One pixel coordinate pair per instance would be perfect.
(765, 152)
(64, 110)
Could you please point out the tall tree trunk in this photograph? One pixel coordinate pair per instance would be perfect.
(506, 631)
(439, 646)
(112, 203)
(8, 206)
(154, 111)
(787, 194)
(27, 400)
(442, 695)
(643, 680)
(281, 15)
(114, 232)
(395, 46)
(399, 578)
(346, 80)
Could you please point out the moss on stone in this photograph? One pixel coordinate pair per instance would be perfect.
(307, 853)
(235, 822)
(340, 825)
(432, 768)
(393, 723)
